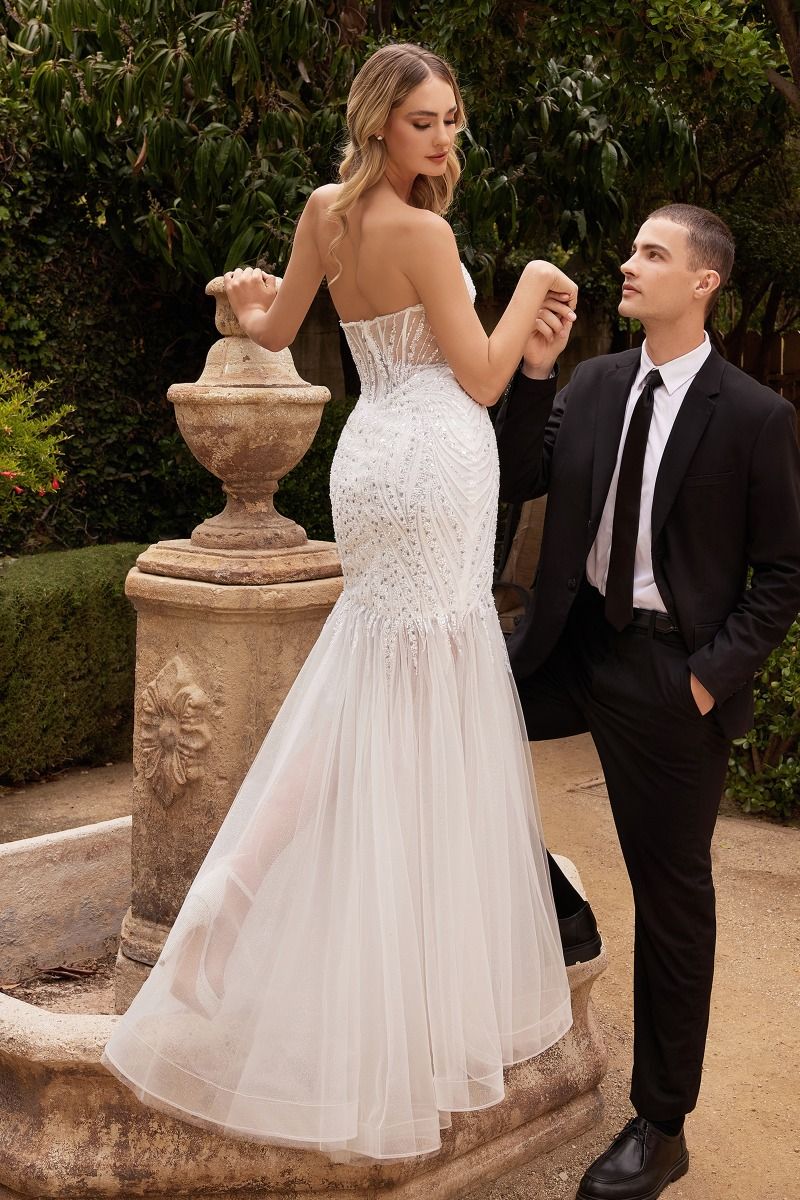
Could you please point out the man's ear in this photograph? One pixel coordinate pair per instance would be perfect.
(708, 283)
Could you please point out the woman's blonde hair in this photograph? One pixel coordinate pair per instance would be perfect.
(383, 83)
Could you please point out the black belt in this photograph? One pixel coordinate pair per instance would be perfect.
(649, 621)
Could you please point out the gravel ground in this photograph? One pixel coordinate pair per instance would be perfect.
(744, 1137)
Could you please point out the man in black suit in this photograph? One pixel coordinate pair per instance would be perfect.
(670, 474)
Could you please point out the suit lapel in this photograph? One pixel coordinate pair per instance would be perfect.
(690, 423)
(613, 392)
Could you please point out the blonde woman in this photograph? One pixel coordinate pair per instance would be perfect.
(371, 938)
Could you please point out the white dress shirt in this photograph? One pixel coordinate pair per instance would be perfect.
(676, 376)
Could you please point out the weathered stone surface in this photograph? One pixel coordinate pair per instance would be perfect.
(62, 896)
(69, 1129)
(183, 559)
(248, 419)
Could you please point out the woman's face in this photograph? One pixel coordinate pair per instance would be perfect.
(420, 132)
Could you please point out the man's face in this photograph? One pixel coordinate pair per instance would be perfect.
(659, 284)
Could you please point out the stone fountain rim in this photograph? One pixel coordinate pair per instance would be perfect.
(42, 1035)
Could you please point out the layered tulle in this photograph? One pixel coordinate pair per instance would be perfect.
(400, 946)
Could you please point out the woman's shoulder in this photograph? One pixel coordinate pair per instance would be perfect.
(320, 200)
(325, 194)
(422, 220)
(423, 231)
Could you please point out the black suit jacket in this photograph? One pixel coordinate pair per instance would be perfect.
(727, 497)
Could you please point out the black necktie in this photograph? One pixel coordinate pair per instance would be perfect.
(625, 530)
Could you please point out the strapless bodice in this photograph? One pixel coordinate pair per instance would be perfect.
(391, 349)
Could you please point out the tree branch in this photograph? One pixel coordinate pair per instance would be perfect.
(784, 16)
(790, 90)
(751, 161)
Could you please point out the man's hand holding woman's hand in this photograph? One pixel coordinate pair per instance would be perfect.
(549, 336)
(553, 322)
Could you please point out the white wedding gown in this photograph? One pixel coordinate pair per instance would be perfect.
(373, 922)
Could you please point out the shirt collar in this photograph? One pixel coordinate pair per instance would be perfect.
(678, 371)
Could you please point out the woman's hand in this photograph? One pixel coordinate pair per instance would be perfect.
(250, 291)
(557, 281)
(549, 337)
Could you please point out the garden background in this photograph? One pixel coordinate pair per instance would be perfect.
(148, 145)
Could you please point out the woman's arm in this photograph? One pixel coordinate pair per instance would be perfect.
(272, 316)
(482, 364)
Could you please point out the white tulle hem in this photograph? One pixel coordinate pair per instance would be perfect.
(388, 942)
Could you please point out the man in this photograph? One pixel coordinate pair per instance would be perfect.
(670, 473)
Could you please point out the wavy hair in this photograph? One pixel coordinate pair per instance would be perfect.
(383, 83)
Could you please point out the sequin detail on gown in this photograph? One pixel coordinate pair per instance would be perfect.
(399, 945)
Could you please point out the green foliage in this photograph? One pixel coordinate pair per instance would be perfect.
(199, 131)
(29, 441)
(764, 769)
(67, 649)
(129, 476)
(97, 321)
(696, 53)
(146, 146)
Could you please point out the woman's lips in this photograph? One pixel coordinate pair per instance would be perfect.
(437, 157)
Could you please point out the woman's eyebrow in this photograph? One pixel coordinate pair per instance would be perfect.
(423, 112)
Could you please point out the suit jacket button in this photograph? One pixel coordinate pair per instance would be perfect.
(572, 584)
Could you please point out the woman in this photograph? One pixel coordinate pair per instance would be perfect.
(371, 937)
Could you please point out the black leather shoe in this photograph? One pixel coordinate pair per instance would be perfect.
(638, 1165)
(579, 936)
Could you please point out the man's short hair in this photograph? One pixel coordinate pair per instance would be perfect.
(710, 243)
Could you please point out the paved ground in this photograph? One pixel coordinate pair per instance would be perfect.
(744, 1137)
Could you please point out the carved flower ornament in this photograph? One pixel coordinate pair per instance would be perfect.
(173, 731)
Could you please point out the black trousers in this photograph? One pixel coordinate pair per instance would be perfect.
(664, 766)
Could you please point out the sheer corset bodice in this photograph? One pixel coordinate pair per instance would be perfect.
(392, 350)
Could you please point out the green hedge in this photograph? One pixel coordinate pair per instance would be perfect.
(764, 769)
(67, 651)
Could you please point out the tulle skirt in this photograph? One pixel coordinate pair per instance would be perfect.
(374, 915)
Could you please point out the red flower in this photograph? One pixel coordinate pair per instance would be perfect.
(40, 492)
(18, 490)
(55, 485)
(9, 474)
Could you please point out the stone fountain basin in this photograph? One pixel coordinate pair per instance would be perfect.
(70, 1129)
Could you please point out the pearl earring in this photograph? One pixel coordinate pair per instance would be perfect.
(380, 137)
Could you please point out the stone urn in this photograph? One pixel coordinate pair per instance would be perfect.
(248, 419)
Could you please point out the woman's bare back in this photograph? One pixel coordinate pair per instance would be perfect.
(366, 266)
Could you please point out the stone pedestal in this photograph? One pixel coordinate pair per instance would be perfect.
(213, 665)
